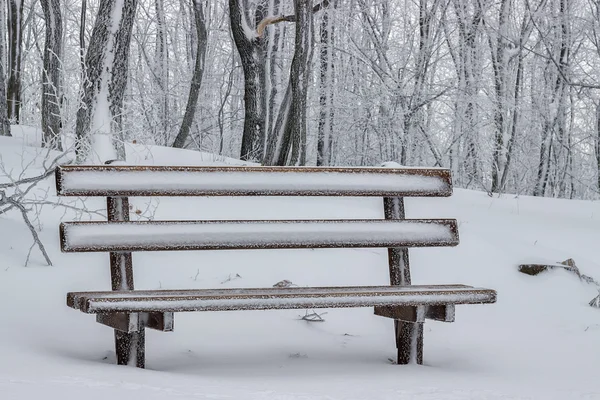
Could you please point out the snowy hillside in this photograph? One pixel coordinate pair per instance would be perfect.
(539, 341)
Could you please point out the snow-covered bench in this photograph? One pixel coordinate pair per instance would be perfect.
(130, 311)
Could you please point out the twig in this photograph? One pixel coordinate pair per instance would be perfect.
(23, 181)
(229, 278)
(262, 25)
(36, 238)
(67, 206)
(313, 317)
(29, 254)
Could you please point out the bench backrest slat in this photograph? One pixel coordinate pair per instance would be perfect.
(217, 235)
(124, 181)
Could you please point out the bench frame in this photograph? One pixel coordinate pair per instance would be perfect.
(129, 328)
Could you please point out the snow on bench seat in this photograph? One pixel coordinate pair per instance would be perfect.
(118, 180)
(276, 298)
(204, 235)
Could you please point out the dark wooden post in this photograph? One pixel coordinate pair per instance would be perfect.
(130, 347)
(409, 335)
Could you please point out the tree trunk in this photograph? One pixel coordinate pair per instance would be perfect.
(223, 104)
(326, 113)
(82, 24)
(468, 25)
(252, 51)
(554, 118)
(500, 76)
(277, 139)
(275, 45)
(4, 124)
(190, 109)
(15, 46)
(294, 145)
(52, 75)
(99, 118)
(161, 65)
(416, 115)
(515, 117)
(3, 48)
(544, 162)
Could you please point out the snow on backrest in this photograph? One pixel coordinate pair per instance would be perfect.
(113, 180)
(220, 235)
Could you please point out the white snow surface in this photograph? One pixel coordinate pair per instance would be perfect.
(299, 291)
(183, 304)
(539, 341)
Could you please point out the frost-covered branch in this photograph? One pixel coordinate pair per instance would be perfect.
(36, 238)
(17, 194)
(262, 25)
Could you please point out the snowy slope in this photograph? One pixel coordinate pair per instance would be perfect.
(540, 341)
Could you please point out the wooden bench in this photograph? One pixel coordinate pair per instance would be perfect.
(130, 311)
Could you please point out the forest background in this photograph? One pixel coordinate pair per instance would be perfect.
(505, 93)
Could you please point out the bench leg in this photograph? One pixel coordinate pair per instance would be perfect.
(409, 342)
(130, 348)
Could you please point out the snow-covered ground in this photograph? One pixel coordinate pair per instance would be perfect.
(539, 341)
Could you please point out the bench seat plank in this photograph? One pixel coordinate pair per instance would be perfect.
(276, 298)
(120, 180)
(218, 235)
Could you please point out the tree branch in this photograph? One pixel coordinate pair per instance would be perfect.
(262, 25)
(36, 179)
(9, 200)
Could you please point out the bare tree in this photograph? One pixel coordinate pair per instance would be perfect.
(294, 131)
(517, 46)
(414, 106)
(286, 141)
(503, 92)
(553, 101)
(82, 24)
(161, 65)
(251, 47)
(326, 84)
(15, 47)
(4, 124)
(469, 14)
(106, 62)
(52, 71)
(192, 103)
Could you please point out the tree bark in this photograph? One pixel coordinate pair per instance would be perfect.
(190, 109)
(106, 61)
(52, 75)
(15, 47)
